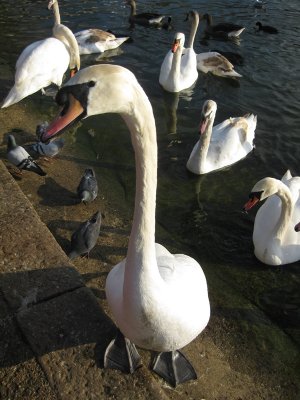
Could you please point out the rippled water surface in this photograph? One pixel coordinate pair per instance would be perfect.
(200, 216)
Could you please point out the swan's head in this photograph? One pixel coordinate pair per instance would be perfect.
(179, 40)
(93, 90)
(51, 4)
(192, 16)
(261, 190)
(208, 114)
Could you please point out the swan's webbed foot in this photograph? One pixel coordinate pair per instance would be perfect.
(122, 354)
(173, 367)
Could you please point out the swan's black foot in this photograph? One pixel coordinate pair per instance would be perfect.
(122, 354)
(173, 367)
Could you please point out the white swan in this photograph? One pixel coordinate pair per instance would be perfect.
(210, 61)
(179, 68)
(97, 41)
(223, 144)
(45, 61)
(274, 238)
(158, 300)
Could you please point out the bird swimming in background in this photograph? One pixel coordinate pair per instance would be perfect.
(266, 28)
(221, 145)
(147, 18)
(87, 189)
(20, 158)
(84, 239)
(44, 62)
(225, 30)
(92, 41)
(48, 150)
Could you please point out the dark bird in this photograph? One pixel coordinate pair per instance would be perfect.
(19, 157)
(266, 28)
(147, 18)
(48, 150)
(85, 238)
(222, 30)
(88, 187)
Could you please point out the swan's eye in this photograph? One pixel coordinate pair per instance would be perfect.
(256, 194)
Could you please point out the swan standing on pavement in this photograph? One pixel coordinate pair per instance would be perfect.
(223, 144)
(179, 68)
(158, 300)
(45, 61)
(274, 238)
(209, 61)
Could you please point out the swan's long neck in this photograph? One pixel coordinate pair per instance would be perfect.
(56, 13)
(174, 73)
(286, 210)
(194, 27)
(65, 35)
(141, 257)
(132, 8)
(205, 140)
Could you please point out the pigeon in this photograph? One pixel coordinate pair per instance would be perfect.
(48, 150)
(19, 157)
(88, 188)
(85, 238)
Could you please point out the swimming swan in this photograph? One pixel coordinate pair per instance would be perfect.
(179, 68)
(159, 301)
(274, 238)
(45, 61)
(221, 145)
(209, 61)
(223, 30)
(146, 19)
(92, 41)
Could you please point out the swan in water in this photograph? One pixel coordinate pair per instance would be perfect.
(223, 30)
(221, 145)
(274, 238)
(45, 61)
(147, 18)
(210, 61)
(179, 68)
(92, 41)
(159, 301)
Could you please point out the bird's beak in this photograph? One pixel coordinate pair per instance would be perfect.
(71, 112)
(253, 200)
(203, 124)
(175, 45)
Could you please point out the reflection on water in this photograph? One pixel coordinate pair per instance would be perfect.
(200, 216)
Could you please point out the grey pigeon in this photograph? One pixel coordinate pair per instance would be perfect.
(88, 188)
(19, 157)
(85, 238)
(48, 150)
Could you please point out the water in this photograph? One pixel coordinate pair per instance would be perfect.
(199, 216)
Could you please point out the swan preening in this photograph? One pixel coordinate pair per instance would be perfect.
(223, 144)
(45, 61)
(274, 238)
(97, 41)
(159, 301)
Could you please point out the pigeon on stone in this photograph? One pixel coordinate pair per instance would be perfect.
(85, 238)
(48, 150)
(88, 187)
(20, 158)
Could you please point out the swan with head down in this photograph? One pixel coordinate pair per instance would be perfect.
(158, 300)
(274, 238)
(45, 61)
(221, 145)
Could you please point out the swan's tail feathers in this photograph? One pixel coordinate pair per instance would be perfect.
(236, 33)
(13, 97)
(251, 121)
(287, 176)
(233, 73)
(121, 40)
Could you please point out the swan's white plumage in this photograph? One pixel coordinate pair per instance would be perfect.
(97, 41)
(179, 70)
(44, 62)
(158, 300)
(273, 246)
(223, 144)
